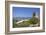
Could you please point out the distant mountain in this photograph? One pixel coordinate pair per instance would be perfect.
(21, 18)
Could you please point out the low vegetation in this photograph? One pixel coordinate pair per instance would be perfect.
(26, 23)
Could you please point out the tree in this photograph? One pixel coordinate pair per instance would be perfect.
(33, 20)
(34, 14)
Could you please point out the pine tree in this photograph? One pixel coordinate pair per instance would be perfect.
(34, 14)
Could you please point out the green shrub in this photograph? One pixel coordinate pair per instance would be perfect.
(33, 20)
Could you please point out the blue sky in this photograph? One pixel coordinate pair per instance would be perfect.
(24, 11)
